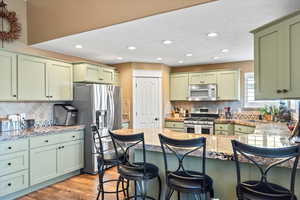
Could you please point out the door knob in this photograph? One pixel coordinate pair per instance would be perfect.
(156, 119)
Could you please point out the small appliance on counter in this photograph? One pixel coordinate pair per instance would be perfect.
(64, 115)
(228, 114)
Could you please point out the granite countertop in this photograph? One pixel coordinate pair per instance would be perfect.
(12, 135)
(267, 135)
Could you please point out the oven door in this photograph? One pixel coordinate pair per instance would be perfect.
(189, 128)
(206, 129)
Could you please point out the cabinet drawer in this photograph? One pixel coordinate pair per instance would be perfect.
(13, 183)
(13, 162)
(244, 129)
(70, 136)
(221, 133)
(40, 141)
(178, 125)
(13, 146)
(222, 127)
(177, 129)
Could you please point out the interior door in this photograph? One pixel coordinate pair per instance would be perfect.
(147, 104)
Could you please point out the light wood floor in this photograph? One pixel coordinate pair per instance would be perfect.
(82, 187)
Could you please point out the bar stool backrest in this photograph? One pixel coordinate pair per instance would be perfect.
(123, 144)
(177, 147)
(281, 155)
(98, 141)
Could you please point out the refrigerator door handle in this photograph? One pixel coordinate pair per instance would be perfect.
(111, 101)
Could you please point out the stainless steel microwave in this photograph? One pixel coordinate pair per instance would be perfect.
(202, 92)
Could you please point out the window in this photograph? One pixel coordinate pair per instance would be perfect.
(250, 94)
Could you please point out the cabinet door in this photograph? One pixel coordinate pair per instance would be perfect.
(107, 75)
(59, 79)
(179, 84)
(43, 164)
(117, 78)
(70, 157)
(268, 53)
(228, 85)
(32, 78)
(291, 71)
(209, 78)
(92, 73)
(196, 78)
(8, 76)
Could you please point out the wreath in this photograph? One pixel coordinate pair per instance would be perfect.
(15, 27)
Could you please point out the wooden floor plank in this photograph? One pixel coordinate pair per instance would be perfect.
(81, 187)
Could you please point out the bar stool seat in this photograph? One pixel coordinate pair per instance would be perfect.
(181, 181)
(261, 191)
(136, 172)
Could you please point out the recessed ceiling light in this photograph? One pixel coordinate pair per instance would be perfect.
(131, 48)
(189, 54)
(180, 61)
(216, 57)
(159, 58)
(225, 50)
(212, 34)
(119, 58)
(167, 42)
(78, 46)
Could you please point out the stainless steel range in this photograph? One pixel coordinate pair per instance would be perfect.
(201, 122)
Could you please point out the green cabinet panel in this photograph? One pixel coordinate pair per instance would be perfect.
(174, 125)
(70, 157)
(224, 129)
(291, 71)
(60, 81)
(240, 129)
(107, 75)
(195, 78)
(267, 62)
(276, 50)
(32, 78)
(7, 147)
(179, 84)
(228, 85)
(13, 162)
(8, 76)
(43, 164)
(13, 183)
(203, 78)
(84, 72)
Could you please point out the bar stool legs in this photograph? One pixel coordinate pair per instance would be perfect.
(141, 185)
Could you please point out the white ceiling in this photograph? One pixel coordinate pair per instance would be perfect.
(188, 28)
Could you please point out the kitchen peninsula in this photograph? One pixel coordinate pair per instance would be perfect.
(220, 165)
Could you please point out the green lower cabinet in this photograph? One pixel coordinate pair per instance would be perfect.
(43, 164)
(14, 162)
(224, 129)
(70, 157)
(240, 129)
(13, 183)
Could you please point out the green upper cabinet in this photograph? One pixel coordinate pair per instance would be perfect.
(32, 78)
(228, 85)
(8, 76)
(179, 84)
(42, 79)
(60, 81)
(107, 75)
(276, 59)
(84, 72)
(203, 78)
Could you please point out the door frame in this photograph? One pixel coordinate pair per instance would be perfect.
(146, 74)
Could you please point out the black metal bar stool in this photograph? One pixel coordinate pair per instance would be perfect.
(104, 162)
(182, 180)
(262, 189)
(139, 172)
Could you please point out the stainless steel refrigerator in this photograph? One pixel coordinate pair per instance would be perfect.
(97, 104)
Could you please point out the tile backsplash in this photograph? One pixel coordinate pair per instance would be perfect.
(40, 111)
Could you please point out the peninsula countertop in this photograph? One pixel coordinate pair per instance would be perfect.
(267, 135)
(12, 135)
